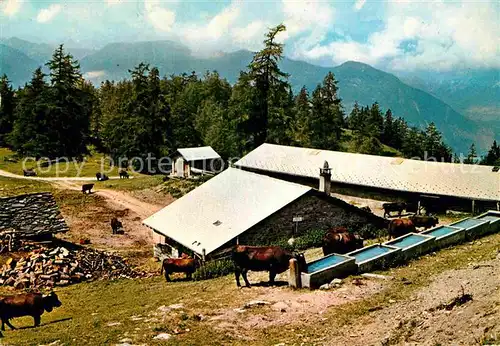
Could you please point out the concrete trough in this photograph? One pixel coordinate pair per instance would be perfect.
(374, 257)
(446, 235)
(413, 245)
(474, 228)
(493, 217)
(324, 270)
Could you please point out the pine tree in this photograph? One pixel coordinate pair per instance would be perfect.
(268, 80)
(388, 131)
(355, 121)
(302, 111)
(472, 155)
(7, 106)
(32, 131)
(493, 156)
(70, 115)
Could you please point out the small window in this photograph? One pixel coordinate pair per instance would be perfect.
(217, 223)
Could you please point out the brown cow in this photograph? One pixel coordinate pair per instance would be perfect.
(400, 227)
(28, 304)
(424, 221)
(341, 242)
(185, 264)
(262, 258)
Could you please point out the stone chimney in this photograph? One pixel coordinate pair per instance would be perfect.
(325, 175)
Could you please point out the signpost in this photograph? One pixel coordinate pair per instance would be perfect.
(297, 219)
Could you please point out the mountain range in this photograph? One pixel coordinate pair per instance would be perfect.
(464, 106)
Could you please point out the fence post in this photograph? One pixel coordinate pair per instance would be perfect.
(294, 274)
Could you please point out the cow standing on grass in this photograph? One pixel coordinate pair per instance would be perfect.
(28, 304)
(185, 264)
(273, 259)
(340, 240)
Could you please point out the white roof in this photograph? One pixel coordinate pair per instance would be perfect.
(234, 199)
(199, 153)
(438, 178)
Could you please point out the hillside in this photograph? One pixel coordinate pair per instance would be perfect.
(475, 94)
(41, 52)
(357, 82)
(16, 65)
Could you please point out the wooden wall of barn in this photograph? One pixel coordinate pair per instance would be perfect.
(318, 213)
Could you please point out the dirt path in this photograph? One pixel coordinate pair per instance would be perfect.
(92, 221)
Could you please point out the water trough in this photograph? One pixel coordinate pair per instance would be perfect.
(413, 245)
(375, 256)
(493, 217)
(474, 228)
(446, 235)
(325, 269)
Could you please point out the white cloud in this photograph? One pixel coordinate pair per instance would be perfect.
(250, 36)
(442, 36)
(94, 74)
(11, 7)
(160, 17)
(47, 14)
(358, 5)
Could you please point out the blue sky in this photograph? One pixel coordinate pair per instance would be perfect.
(396, 34)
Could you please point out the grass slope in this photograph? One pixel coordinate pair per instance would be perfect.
(102, 313)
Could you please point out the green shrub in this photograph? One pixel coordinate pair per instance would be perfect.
(309, 240)
(214, 269)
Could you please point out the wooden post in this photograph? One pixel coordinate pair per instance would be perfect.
(203, 255)
(498, 206)
(294, 280)
(473, 207)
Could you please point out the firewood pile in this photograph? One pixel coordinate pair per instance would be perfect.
(46, 267)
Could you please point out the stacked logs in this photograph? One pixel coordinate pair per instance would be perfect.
(60, 267)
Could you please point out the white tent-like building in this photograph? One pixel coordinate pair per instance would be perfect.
(195, 160)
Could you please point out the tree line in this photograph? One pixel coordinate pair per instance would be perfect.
(61, 114)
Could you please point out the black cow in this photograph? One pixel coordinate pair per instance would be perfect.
(98, 176)
(124, 174)
(87, 188)
(29, 173)
(116, 226)
(390, 207)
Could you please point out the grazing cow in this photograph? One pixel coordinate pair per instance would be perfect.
(87, 188)
(116, 226)
(124, 174)
(29, 173)
(179, 265)
(262, 258)
(98, 176)
(340, 242)
(424, 221)
(104, 177)
(390, 207)
(28, 304)
(400, 227)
